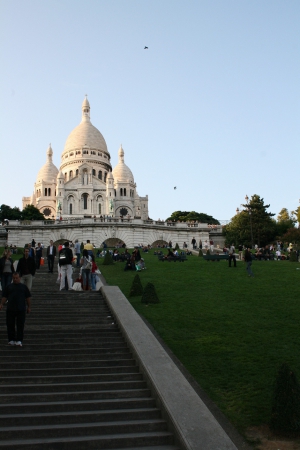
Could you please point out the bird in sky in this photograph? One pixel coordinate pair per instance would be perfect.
(175, 187)
(145, 48)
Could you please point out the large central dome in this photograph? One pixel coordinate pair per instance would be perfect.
(85, 134)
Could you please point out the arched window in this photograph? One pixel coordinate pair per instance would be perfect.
(76, 172)
(49, 192)
(85, 197)
(99, 208)
(46, 192)
(100, 174)
(125, 192)
(105, 175)
(65, 176)
(115, 192)
(71, 208)
(121, 192)
(71, 174)
(94, 172)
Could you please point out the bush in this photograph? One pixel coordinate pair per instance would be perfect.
(176, 246)
(286, 401)
(108, 259)
(200, 252)
(293, 256)
(136, 287)
(149, 294)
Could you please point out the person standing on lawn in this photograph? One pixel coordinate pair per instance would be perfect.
(248, 261)
(232, 256)
(18, 299)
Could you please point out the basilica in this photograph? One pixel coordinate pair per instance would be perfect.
(85, 184)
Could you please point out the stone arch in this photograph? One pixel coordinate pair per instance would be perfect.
(114, 242)
(159, 243)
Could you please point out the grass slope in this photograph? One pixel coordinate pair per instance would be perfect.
(230, 331)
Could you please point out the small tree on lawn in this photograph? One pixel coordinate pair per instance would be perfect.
(136, 287)
(200, 252)
(176, 246)
(108, 261)
(149, 294)
(286, 401)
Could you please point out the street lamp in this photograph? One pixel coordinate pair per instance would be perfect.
(237, 211)
(249, 211)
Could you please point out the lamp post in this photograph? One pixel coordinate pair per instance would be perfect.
(237, 211)
(249, 211)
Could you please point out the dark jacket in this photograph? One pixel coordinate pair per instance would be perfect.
(2, 263)
(24, 264)
(54, 250)
(248, 256)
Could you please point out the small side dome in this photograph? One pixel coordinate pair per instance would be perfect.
(49, 171)
(122, 172)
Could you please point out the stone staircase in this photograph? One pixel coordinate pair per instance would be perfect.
(74, 384)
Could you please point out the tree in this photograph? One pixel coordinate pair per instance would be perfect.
(292, 235)
(149, 294)
(136, 287)
(6, 212)
(30, 212)
(285, 220)
(296, 213)
(286, 401)
(189, 216)
(253, 225)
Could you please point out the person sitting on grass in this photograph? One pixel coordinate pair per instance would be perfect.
(130, 263)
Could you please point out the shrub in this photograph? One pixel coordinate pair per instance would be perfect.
(108, 259)
(286, 401)
(81, 247)
(200, 252)
(136, 287)
(293, 256)
(149, 294)
(176, 246)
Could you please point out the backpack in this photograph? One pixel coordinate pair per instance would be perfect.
(64, 257)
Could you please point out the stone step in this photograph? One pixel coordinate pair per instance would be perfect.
(35, 365)
(75, 395)
(77, 405)
(79, 416)
(125, 381)
(83, 371)
(136, 440)
(57, 380)
(74, 384)
(86, 428)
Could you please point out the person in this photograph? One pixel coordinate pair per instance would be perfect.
(248, 260)
(26, 268)
(211, 243)
(38, 255)
(89, 247)
(93, 273)
(278, 254)
(33, 243)
(240, 252)
(77, 252)
(86, 262)
(51, 253)
(232, 256)
(200, 244)
(6, 269)
(130, 263)
(194, 243)
(65, 263)
(17, 295)
(31, 250)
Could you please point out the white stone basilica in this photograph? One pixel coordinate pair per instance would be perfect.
(85, 184)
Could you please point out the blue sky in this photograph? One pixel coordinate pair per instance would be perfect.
(211, 107)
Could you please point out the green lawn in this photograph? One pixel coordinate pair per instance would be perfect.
(230, 331)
